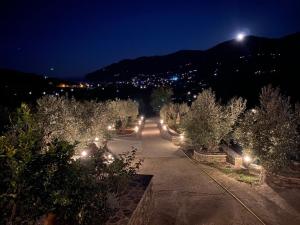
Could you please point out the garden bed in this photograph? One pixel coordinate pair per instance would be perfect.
(239, 174)
(136, 204)
(209, 157)
(125, 132)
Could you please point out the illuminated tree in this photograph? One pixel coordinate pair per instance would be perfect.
(208, 122)
(173, 114)
(269, 132)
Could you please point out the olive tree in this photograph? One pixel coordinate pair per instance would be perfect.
(173, 113)
(125, 111)
(208, 122)
(269, 131)
(38, 182)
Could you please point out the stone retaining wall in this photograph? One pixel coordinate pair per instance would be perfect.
(209, 157)
(233, 157)
(143, 212)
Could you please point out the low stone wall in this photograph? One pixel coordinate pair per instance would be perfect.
(255, 169)
(136, 206)
(233, 157)
(282, 181)
(209, 157)
(143, 212)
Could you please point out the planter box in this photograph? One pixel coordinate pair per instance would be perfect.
(233, 157)
(202, 157)
(136, 206)
(254, 169)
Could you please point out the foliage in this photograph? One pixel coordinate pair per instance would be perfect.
(38, 179)
(208, 122)
(81, 122)
(160, 97)
(125, 111)
(270, 130)
(173, 114)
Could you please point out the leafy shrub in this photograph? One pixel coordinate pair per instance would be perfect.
(173, 114)
(270, 130)
(208, 122)
(39, 179)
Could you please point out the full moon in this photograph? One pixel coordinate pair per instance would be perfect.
(240, 36)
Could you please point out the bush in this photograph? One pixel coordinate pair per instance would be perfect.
(173, 114)
(125, 111)
(208, 122)
(160, 97)
(269, 131)
(38, 179)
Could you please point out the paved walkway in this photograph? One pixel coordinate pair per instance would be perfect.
(183, 194)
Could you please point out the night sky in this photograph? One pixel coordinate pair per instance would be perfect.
(69, 38)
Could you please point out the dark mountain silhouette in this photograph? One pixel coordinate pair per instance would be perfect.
(231, 68)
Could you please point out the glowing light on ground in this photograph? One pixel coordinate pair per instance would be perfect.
(83, 153)
(247, 159)
(136, 129)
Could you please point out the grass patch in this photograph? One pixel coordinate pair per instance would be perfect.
(241, 175)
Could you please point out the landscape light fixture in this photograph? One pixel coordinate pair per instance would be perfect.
(161, 121)
(109, 127)
(83, 153)
(247, 159)
(164, 127)
(181, 137)
(136, 129)
(96, 139)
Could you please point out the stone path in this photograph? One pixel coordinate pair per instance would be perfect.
(183, 194)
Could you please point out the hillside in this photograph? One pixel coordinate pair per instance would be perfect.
(231, 67)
